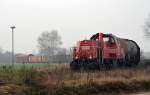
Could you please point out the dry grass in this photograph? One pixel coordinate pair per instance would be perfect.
(100, 77)
(62, 81)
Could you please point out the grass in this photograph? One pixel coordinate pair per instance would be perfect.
(58, 79)
(20, 65)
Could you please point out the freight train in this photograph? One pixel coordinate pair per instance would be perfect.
(105, 50)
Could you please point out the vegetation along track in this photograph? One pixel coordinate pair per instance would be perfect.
(60, 80)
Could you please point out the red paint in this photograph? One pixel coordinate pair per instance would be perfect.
(111, 50)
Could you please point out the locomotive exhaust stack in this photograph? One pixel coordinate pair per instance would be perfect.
(105, 50)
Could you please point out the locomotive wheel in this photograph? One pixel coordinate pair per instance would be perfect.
(135, 61)
(74, 65)
(93, 66)
(120, 63)
(108, 64)
(127, 61)
(115, 63)
(83, 65)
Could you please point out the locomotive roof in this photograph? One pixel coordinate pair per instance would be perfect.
(95, 36)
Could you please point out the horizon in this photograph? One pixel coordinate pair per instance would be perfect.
(71, 18)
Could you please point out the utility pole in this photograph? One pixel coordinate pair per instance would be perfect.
(12, 27)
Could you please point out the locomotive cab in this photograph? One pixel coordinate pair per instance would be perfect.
(85, 55)
(85, 50)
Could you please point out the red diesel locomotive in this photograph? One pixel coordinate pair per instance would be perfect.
(105, 50)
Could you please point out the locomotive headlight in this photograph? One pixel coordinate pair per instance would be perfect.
(76, 57)
(90, 57)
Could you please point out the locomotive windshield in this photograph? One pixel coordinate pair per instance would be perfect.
(108, 39)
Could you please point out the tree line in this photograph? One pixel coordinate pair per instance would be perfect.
(49, 44)
(5, 57)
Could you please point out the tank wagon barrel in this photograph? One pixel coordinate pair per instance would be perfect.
(131, 50)
(105, 50)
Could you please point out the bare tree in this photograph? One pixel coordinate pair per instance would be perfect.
(147, 27)
(48, 42)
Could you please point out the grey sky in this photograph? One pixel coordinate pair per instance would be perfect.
(74, 19)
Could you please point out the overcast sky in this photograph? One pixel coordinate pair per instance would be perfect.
(74, 20)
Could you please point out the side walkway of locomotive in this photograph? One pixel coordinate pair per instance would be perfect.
(105, 50)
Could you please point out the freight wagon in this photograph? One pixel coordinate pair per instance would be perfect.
(43, 59)
(31, 59)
